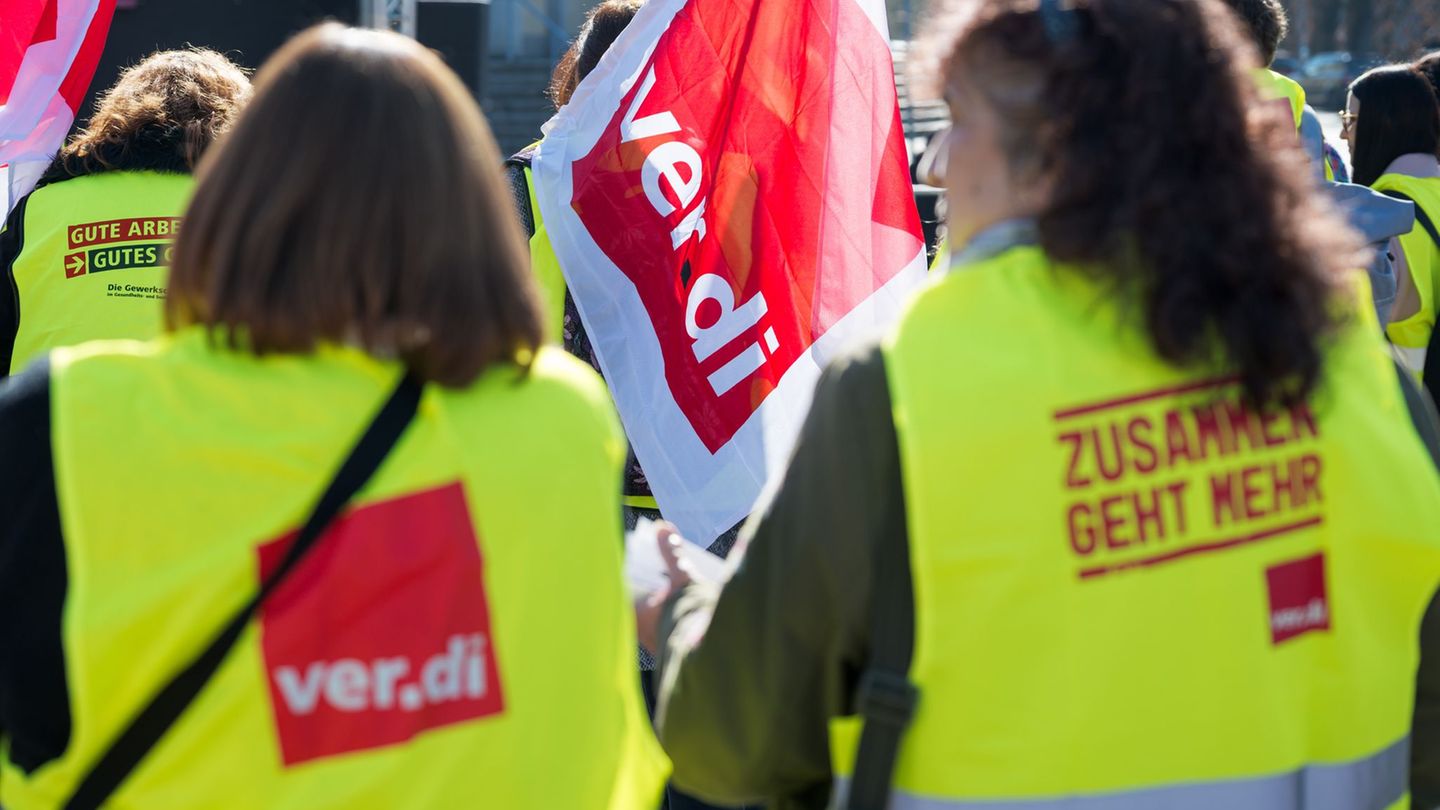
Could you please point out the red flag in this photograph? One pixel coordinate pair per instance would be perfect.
(48, 53)
(730, 199)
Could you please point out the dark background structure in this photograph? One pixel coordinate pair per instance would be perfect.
(1390, 29)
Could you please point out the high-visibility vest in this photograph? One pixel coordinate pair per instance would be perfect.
(1131, 592)
(462, 637)
(95, 259)
(1412, 335)
(1276, 86)
(546, 267)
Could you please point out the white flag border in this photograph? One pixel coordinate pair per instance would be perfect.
(36, 119)
(49, 62)
(725, 485)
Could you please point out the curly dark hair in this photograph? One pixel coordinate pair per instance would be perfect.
(602, 25)
(1267, 21)
(1171, 182)
(161, 115)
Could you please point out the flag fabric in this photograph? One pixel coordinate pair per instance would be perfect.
(729, 196)
(48, 53)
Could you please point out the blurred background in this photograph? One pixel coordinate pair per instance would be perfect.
(1332, 42)
(504, 49)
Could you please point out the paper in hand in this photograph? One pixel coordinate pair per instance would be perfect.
(645, 569)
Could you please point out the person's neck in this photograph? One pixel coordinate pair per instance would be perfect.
(994, 239)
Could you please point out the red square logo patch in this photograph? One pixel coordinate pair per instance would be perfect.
(382, 632)
(1298, 603)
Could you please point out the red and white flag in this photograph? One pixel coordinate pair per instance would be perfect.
(48, 53)
(729, 196)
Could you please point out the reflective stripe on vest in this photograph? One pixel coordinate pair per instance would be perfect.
(95, 259)
(1127, 583)
(1373, 782)
(546, 267)
(1422, 256)
(411, 661)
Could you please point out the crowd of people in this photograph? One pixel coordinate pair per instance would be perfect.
(321, 503)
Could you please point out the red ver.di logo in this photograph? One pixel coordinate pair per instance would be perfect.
(1298, 601)
(718, 189)
(382, 632)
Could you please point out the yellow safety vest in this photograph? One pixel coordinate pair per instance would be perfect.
(95, 259)
(1278, 86)
(1130, 592)
(462, 638)
(546, 267)
(1412, 335)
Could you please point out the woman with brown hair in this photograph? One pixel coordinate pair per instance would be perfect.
(86, 253)
(1126, 512)
(301, 531)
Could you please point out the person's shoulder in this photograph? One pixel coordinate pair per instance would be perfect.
(554, 366)
(855, 374)
(1410, 173)
(552, 380)
(107, 352)
(862, 357)
(157, 177)
(556, 399)
(524, 157)
(103, 365)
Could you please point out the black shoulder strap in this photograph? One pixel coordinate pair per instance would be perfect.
(1420, 215)
(516, 167)
(1431, 373)
(1422, 413)
(886, 699)
(12, 242)
(148, 726)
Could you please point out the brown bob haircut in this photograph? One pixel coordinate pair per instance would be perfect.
(358, 200)
(161, 115)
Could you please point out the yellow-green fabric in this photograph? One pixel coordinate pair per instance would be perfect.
(174, 460)
(1069, 650)
(545, 266)
(1412, 335)
(1277, 86)
(95, 259)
